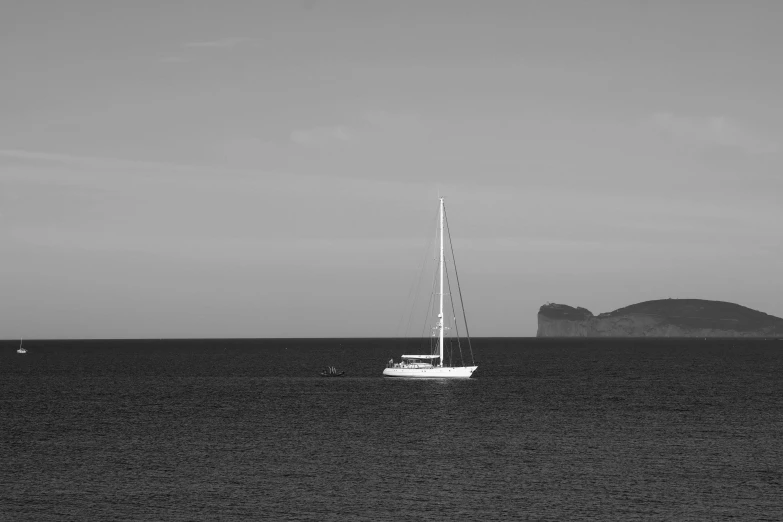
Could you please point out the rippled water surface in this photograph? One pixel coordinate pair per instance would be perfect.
(545, 430)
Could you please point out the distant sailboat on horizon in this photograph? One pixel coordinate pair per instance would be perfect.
(432, 366)
(21, 348)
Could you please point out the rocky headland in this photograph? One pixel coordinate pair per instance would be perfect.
(660, 318)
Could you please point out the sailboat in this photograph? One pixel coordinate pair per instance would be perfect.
(433, 365)
(21, 348)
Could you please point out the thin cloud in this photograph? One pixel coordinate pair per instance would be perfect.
(45, 167)
(222, 43)
(716, 131)
(396, 126)
(88, 161)
(173, 59)
(371, 127)
(392, 120)
(107, 165)
(323, 136)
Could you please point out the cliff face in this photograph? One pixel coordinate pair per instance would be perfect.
(661, 318)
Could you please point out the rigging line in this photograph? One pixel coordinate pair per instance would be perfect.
(430, 305)
(417, 284)
(456, 325)
(459, 288)
(447, 289)
(414, 284)
(418, 290)
(434, 310)
(434, 280)
(454, 315)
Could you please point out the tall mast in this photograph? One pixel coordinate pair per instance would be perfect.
(440, 315)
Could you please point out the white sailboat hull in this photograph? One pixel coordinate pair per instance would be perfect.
(458, 372)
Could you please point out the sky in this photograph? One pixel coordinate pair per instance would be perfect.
(271, 169)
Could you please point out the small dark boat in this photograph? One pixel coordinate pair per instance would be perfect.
(331, 371)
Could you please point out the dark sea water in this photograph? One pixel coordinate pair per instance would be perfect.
(248, 430)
